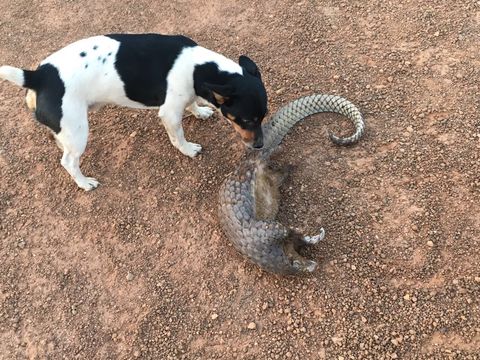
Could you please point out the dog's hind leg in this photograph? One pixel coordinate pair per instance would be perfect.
(31, 100)
(73, 138)
(71, 162)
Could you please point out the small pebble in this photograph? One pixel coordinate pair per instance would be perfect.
(430, 243)
(129, 276)
(252, 326)
(214, 316)
(337, 340)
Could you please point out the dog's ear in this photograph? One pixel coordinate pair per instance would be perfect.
(221, 92)
(249, 65)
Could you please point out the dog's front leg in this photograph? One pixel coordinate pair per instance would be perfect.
(172, 120)
(200, 112)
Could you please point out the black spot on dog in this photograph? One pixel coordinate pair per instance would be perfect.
(83, 54)
(95, 47)
(99, 58)
(50, 89)
(209, 71)
(104, 59)
(143, 62)
(110, 53)
(86, 66)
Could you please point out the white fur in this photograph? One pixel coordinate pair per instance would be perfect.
(12, 74)
(181, 94)
(100, 83)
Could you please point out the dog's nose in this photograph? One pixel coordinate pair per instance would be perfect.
(258, 144)
(258, 139)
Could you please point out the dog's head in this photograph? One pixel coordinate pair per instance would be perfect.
(243, 101)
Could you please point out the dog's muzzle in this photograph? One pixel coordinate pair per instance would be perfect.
(258, 140)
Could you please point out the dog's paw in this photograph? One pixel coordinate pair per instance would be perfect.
(312, 240)
(88, 183)
(202, 112)
(191, 149)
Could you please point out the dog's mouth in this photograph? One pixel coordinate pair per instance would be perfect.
(257, 143)
(251, 146)
(252, 139)
(248, 145)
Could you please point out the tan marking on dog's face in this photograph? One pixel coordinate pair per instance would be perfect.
(31, 100)
(246, 135)
(230, 117)
(220, 99)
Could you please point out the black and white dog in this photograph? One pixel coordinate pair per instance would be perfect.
(140, 71)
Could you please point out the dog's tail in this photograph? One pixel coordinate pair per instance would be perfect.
(25, 78)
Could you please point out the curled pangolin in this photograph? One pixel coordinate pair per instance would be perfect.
(249, 197)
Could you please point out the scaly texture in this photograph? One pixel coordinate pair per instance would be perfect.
(265, 241)
(297, 110)
(259, 240)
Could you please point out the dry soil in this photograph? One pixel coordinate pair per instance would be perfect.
(139, 268)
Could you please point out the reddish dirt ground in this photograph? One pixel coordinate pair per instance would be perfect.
(139, 268)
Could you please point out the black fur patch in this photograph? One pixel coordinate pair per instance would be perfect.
(143, 62)
(245, 98)
(209, 73)
(50, 90)
(83, 54)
